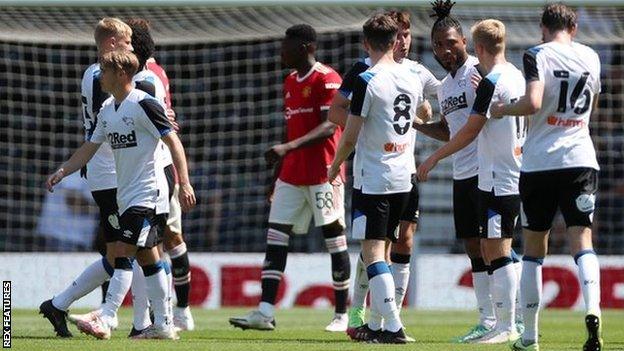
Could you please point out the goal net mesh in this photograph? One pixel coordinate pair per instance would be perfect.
(226, 82)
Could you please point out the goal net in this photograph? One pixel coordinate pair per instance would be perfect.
(226, 83)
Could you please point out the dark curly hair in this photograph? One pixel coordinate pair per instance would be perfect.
(142, 40)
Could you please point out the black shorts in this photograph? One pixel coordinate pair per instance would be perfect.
(411, 212)
(170, 175)
(109, 216)
(466, 207)
(571, 190)
(376, 216)
(497, 215)
(141, 226)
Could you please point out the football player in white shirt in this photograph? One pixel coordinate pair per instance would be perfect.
(559, 167)
(456, 96)
(383, 106)
(499, 156)
(132, 122)
(110, 34)
(397, 254)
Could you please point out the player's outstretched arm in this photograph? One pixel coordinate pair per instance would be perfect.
(346, 145)
(339, 110)
(81, 156)
(462, 139)
(437, 130)
(529, 104)
(187, 194)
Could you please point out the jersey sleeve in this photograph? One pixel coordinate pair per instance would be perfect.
(429, 82)
(532, 71)
(326, 89)
(154, 118)
(346, 88)
(86, 98)
(360, 102)
(597, 86)
(99, 134)
(484, 94)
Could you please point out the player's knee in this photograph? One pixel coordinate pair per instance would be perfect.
(472, 246)
(332, 230)
(172, 239)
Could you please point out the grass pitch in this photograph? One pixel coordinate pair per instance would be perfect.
(302, 329)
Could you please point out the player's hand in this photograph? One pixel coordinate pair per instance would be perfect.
(425, 168)
(54, 179)
(171, 116)
(187, 197)
(496, 110)
(332, 173)
(475, 79)
(275, 154)
(424, 113)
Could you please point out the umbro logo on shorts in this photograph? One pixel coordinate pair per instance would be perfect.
(127, 233)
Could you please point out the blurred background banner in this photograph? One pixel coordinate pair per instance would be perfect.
(226, 82)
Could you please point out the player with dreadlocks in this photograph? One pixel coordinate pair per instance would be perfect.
(456, 96)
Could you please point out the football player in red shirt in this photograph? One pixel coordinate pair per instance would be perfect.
(302, 190)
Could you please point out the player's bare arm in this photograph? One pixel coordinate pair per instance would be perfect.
(346, 145)
(321, 132)
(530, 103)
(437, 130)
(424, 112)
(187, 194)
(80, 158)
(339, 110)
(465, 136)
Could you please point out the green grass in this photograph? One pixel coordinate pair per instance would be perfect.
(302, 329)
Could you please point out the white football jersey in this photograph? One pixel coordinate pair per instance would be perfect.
(101, 168)
(386, 96)
(499, 148)
(133, 129)
(456, 96)
(559, 132)
(163, 155)
(429, 82)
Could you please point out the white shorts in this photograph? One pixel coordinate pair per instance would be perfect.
(296, 205)
(174, 221)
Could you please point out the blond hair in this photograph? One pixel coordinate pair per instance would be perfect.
(491, 34)
(120, 60)
(111, 27)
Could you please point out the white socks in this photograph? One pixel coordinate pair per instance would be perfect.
(93, 276)
(530, 299)
(503, 285)
(400, 274)
(382, 294)
(140, 302)
(158, 292)
(481, 283)
(118, 287)
(589, 278)
(360, 288)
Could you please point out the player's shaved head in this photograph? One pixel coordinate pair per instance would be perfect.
(120, 61)
(557, 17)
(491, 34)
(111, 27)
(303, 32)
(142, 40)
(380, 32)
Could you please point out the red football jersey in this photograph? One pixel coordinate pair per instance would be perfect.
(304, 99)
(162, 75)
